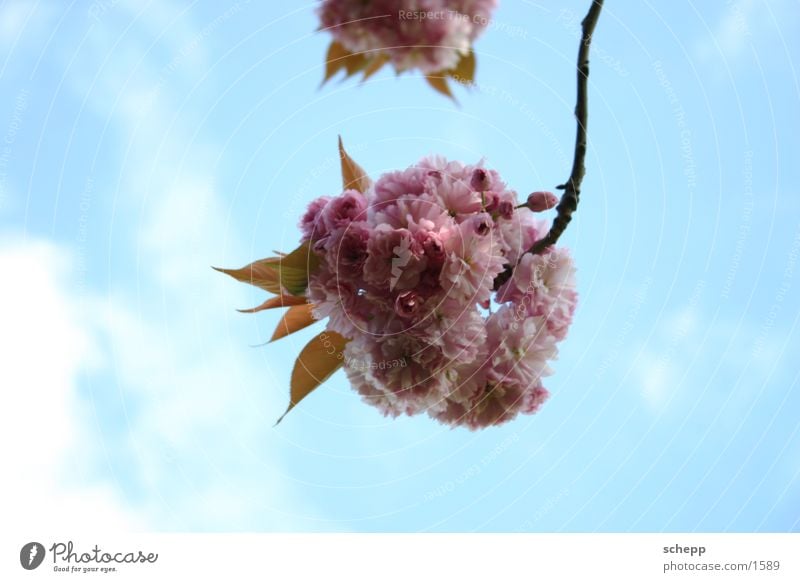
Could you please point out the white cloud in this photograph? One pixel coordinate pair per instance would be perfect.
(671, 369)
(45, 446)
(13, 16)
(661, 363)
(24, 23)
(200, 403)
(734, 30)
(206, 412)
(654, 376)
(745, 23)
(199, 389)
(196, 392)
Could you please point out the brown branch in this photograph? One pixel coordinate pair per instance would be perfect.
(572, 188)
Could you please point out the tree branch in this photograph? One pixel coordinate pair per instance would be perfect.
(572, 188)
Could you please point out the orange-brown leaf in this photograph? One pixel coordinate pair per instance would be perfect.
(353, 175)
(321, 357)
(334, 60)
(279, 301)
(295, 319)
(354, 62)
(259, 273)
(374, 65)
(464, 71)
(438, 82)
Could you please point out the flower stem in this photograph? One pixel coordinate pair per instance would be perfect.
(572, 188)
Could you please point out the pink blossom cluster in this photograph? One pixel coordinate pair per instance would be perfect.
(429, 35)
(407, 274)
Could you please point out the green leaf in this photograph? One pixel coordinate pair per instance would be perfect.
(293, 269)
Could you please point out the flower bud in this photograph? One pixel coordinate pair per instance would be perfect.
(541, 201)
(479, 181)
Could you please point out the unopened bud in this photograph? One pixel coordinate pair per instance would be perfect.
(541, 201)
(479, 181)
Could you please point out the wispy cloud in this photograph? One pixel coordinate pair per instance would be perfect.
(662, 362)
(14, 16)
(46, 448)
(198, 407)
(745, 23)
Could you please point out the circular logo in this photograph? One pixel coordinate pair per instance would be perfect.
(31, 555)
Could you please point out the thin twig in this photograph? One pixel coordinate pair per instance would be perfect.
(572, 188)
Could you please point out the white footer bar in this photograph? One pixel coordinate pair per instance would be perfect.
(404, 557)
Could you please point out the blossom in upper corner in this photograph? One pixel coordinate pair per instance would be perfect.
(434, 37)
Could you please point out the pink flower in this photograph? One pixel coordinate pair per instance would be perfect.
(344, 209)
(401, 374)
(509, 382)
(408, 304)
(459, 333)
(480, 180)
(429, 35)
(413, 212)
(432, 246)
(480, 224)
(395, 259)
(505, 209)
(518, 235)
(452, 189)
(392, 186)
(407, 274)
(481, 11)
(498, 403)
(347, 248)
(473, 261)
(338, 299)
(311, 225)
(519, 346)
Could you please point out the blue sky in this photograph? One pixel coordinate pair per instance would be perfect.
(144, 142)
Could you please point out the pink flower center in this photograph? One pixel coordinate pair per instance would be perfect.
(408, 304)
